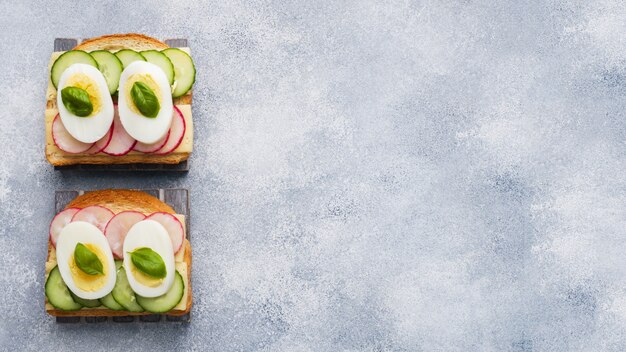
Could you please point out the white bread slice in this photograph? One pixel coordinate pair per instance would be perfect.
(115, 42)
(118, 200)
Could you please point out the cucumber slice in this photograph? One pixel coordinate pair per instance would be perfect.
(110, 66)
(89, 303)
(108, 300)
(166, 302)
(123, 294)
(159, 59)
(184, 71)
(58, 294)
(128, 56)
(66, 60)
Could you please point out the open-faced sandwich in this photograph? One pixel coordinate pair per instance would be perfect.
(120, 99)
(118, 253)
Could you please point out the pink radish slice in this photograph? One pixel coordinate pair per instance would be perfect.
(101, 143)
(58, 223)
(172, 225)
(64, 139)
(151, 148)
(121, 142)
(95, 215)
(118, 227)
(177, 132)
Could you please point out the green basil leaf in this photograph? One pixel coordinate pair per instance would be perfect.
(145, 100)
(87, 260)
(76, 100)
(149, 262)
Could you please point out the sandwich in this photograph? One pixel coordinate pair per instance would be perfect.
(119, 99)
(118, 253)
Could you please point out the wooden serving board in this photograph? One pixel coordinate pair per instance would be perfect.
(65, 44)
(177, 198)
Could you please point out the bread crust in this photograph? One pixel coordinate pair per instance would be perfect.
(104, 159)
(118, 200)
(135, 41)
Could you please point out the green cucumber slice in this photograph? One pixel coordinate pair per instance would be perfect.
(128, 56)
(159, 59)
(123, 294)
(110, 66)
(66, 60)
(89, 303)
(166, 302)
(184, 71)
(108, 300)
(58, 294)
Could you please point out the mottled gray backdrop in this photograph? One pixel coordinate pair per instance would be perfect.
(377, 176)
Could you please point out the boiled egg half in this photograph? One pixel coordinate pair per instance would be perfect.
(82, 284)
(149, 234)
(90, 128)
(143, 128)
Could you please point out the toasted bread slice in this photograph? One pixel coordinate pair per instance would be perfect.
(115, 42)
(118, 201)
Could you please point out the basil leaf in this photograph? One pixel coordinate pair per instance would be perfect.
(76, 100)
(87, 260)
(145, 100)
(149, 262)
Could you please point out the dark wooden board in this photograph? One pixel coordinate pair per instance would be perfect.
(65, 44)
(177, 198)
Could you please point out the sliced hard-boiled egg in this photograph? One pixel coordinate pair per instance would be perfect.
(85, 284)
(143, 128)
(90, 128)
(152, 235)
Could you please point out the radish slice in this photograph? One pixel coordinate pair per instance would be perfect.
(118, 227)
(177, 132)
(151, 148)
(173, 226)
(58, 223)
(101, 143)
(95, 215)
(121, 142)
(64, 139)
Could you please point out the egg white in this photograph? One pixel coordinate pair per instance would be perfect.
(92, 128)
(144, 129)
(151, 234)
(86, 233)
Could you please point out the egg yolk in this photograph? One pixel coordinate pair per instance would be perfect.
(82, 81)
(144, 279)
(85, 281)
(145, 78)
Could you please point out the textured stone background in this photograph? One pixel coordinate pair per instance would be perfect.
(402, 176)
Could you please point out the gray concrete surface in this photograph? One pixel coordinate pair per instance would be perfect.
(375, 176)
